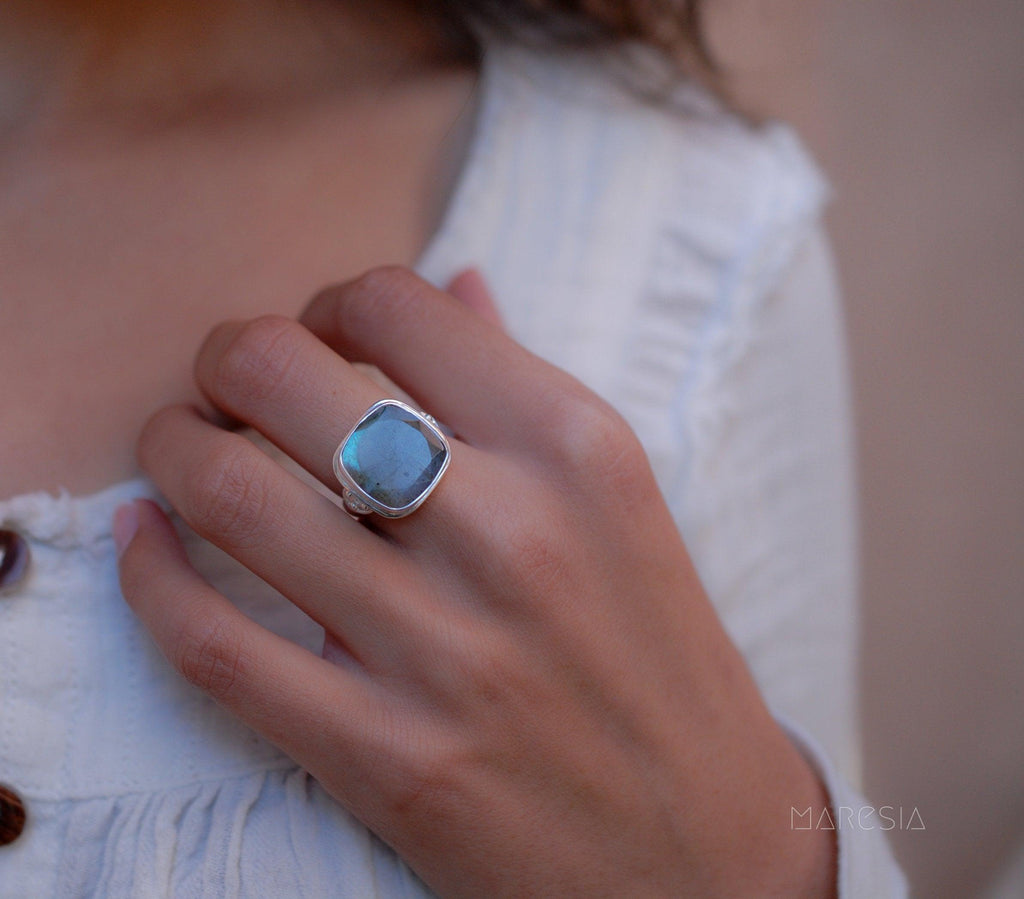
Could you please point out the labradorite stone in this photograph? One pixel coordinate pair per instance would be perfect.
(393, 456)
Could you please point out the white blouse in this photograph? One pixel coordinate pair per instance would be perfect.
(670, 258)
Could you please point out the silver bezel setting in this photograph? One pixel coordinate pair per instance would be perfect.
(355, 498)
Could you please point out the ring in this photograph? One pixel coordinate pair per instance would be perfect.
(391, 461)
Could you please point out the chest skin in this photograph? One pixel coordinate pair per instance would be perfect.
(120, 247)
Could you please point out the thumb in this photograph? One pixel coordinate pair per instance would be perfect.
(470, 288)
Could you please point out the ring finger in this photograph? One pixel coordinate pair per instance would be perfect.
(361, 588)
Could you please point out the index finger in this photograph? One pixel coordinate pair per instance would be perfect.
(457, 366)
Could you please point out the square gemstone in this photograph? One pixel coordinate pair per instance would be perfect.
(394, 456)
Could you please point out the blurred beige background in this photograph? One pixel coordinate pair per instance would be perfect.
(915, 108)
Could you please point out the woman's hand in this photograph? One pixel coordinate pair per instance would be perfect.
(524, 688)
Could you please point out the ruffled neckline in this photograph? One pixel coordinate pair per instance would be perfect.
(65, 520)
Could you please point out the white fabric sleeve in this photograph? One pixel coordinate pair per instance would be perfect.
(773, 520)
(866, 869)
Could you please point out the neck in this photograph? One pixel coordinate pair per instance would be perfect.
(62, 60)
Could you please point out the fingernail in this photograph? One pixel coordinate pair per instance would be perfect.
(126, 523)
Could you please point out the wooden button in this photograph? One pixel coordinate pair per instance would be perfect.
(14, 558)
(12, 815)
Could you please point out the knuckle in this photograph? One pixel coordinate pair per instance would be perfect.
(592, 442)
(418, 782)
(385, 282)
(387, 290)
(424, 780)
(257, 360)
(227, 495)
(211, 657)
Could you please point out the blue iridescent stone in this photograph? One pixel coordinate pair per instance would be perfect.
(394, 456)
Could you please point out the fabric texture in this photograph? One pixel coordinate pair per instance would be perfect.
(672, 260)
